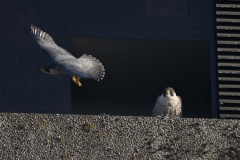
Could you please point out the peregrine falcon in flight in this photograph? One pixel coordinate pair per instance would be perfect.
(61, 61)
(168, 105)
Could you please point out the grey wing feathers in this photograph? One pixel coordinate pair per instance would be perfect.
(92, 66)
(46, 43)
(83, 67)
(179, 106)
(180, 101)
(41, 36)
(158, 109)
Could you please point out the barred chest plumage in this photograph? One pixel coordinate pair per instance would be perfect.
(170, 102)
(168, 106)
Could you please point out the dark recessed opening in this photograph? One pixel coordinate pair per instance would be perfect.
(138, 70)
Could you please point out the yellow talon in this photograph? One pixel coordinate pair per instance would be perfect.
(76, 80)
(79, 84)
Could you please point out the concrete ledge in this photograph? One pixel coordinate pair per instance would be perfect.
(47, 136)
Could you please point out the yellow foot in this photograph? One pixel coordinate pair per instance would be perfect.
(78, 83)
(76, 80)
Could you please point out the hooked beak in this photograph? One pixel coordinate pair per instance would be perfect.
(168, 91)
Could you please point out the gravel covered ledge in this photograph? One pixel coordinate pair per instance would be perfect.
(53, 136)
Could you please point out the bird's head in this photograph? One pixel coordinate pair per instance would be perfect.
(45, 70)
(169, 93)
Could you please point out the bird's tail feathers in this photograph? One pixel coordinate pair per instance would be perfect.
(96, 69)
(39, 35)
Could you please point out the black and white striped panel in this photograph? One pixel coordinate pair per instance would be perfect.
(228, 49)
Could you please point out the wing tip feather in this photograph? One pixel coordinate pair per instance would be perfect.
(40, 35)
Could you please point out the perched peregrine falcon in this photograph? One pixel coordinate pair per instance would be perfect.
(61, 61)
(168, 105)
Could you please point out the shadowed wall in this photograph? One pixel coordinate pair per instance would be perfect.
(24, 89)
(138, 70)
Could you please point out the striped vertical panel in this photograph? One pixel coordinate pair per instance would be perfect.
(228, 49)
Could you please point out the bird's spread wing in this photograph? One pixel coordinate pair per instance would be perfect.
(83, 67)
(46, 43)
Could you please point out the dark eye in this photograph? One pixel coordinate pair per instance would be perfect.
(171, 93)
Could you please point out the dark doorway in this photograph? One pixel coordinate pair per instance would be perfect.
(138, 70)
